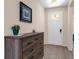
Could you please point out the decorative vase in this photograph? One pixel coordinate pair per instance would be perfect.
(15, 32)
(33, 31)
(15, 29)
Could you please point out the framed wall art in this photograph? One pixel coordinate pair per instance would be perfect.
(25, 13)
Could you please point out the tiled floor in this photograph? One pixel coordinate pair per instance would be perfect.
(56, 52)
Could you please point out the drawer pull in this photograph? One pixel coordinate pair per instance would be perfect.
(41, 43)
(36, 38)
(40, 48)
(31, 50)
(29, 43)
(40, 53)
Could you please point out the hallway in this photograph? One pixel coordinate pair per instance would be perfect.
(58, 52)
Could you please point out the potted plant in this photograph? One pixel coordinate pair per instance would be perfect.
(15, 29)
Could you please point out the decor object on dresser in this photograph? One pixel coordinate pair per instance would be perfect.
(27, 46)
(25, 13)
(33, 31)
(15, 29)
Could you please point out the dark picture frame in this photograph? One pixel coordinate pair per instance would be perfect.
(25, 13)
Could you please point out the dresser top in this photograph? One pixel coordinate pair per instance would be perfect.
(24, 35)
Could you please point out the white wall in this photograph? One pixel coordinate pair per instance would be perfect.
(70, 29)
(12, 16)
(65, 11)
(68, 25)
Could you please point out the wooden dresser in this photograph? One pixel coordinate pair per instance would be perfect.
(27, 46)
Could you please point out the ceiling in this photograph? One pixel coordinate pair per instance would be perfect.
(53, 3)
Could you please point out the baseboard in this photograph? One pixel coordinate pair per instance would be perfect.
(55, 44)
(70, 49)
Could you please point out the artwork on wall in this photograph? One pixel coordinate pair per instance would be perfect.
(25, 13)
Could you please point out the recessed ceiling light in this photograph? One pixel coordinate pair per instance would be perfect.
(53, 3)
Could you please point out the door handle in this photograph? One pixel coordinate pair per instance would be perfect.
(60, 30)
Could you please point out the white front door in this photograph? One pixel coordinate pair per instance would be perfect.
(55, 28)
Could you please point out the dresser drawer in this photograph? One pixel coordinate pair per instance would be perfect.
(31, 40)
(36, 46)
(30, 56)
(27, 41)
(34, 55)
(39, 36)
(40, 43)
(33, 47)
(38, 54)
(28, 51)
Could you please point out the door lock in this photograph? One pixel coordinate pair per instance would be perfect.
(60, 30)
